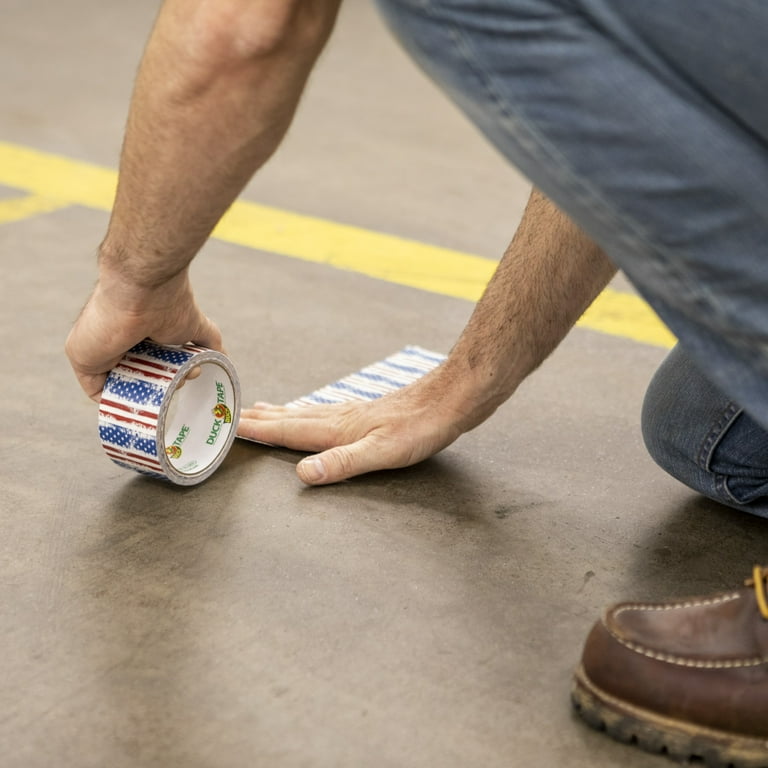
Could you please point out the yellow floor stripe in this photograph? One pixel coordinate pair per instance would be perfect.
(57, 178)
(18, 208)
(61, 181)
(378, 255)
(624, 314)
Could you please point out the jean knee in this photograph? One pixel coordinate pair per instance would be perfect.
(667, 427)
(651, 424)
(703, 439)
(683, 418)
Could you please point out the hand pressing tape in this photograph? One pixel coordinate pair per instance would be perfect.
(150, 423)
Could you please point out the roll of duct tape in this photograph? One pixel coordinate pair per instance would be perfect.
(156, 421)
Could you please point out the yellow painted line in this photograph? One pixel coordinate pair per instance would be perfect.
(378, 255)
(624, 314)
(57, 178)
(18, 208)
(386, 257)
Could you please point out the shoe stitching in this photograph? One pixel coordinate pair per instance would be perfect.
(691, 603)
(683, 661)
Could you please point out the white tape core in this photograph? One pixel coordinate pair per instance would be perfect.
(198, 420)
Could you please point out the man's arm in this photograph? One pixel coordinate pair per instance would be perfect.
(216, 90)
(549, 275)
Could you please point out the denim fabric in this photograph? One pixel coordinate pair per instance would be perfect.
(703, 438)
(647, 122)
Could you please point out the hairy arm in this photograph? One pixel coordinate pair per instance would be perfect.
(548, 276)
(216, 90)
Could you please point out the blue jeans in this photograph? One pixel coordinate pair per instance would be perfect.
(705, 439)
(647, 123)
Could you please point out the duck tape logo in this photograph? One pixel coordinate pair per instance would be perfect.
(173, 451)
(221, 412)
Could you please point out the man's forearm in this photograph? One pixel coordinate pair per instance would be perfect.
(216, 91)
(549, 275)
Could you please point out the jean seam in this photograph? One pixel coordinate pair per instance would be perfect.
(715, 434)
(721, 486)
(537, 145)
(660, 62)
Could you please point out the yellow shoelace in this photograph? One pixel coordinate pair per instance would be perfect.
(759, 577)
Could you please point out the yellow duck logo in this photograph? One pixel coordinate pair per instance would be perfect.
(221, 411)
(173, 452)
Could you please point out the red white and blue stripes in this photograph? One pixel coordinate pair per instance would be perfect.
(134, 402)
(373, 381)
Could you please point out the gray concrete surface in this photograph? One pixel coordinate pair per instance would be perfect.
(418, 618)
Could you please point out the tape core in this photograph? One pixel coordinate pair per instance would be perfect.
(198, 421)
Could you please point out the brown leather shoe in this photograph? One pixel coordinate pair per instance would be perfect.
(688, 678)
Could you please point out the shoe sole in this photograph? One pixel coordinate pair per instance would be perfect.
(630, 724)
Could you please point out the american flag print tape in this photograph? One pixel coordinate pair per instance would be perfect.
(155, 421)
(373, 381)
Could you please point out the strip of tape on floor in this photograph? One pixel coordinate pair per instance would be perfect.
(373, 381)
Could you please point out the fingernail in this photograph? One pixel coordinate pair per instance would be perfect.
(312, 470)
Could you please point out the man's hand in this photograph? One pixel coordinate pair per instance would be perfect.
(216, 90)
(547, 278)
(119, 315)
(397, 430)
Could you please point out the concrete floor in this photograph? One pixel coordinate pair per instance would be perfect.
(419, 618)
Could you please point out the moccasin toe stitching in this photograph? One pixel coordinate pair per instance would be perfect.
(714, 632)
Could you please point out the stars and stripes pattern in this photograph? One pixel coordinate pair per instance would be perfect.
(373, 381)
(130, 404)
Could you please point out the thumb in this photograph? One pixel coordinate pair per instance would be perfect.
(340, 463)
(208, 334)
(92, 384)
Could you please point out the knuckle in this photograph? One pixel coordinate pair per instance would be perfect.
(344, 462)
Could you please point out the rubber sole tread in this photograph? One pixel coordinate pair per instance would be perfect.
(681, 741)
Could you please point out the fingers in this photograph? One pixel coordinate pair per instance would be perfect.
(92, 385)
(345, 461)
(116, 317)
(90, 374)
(312, 428)
(305, 434)
(312, 471)
(208, 334)
(267, 411)
(263, 409)
(332, 466)
(344, 450)
(350, 439)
